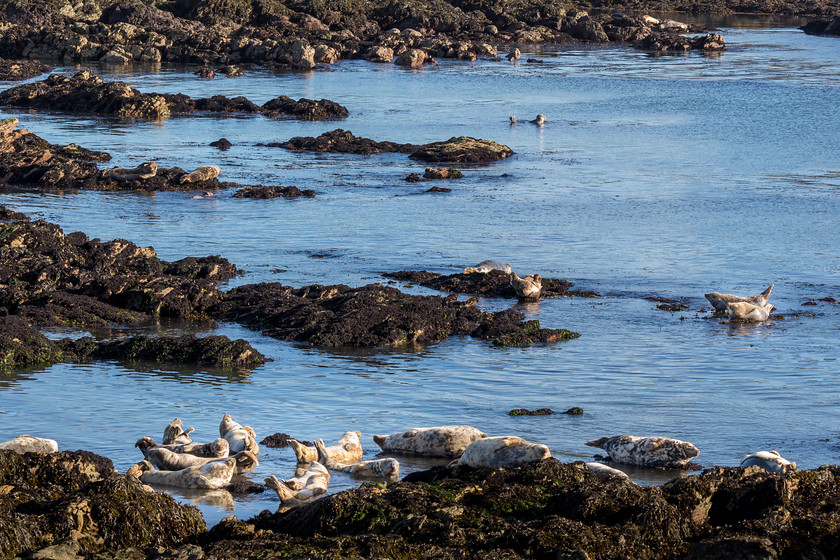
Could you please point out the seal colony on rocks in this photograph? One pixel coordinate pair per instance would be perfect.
(437, 441)
(647, 451)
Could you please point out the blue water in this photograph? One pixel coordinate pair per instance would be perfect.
(654, 175)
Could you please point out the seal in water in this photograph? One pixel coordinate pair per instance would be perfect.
(743, 311)
(539, 121)
(212, 475)
(528, 287)
(502, 452)
(308, 485)
(30, 444)
(239, 437)
(512, 119)
(216, 449)
(647, 451)
(719, 301)
(770, 461)
(203, 173)
(437, 441)
(385, 468)
(145, 170)
(348, 449)
(601, 468)
(486, 266)
(174, 433)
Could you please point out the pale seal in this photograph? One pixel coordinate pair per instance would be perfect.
(203, 173)
(502, 452)
(167, 460)
(145, 170)
(348, 449)
(216, 449)
(385, 468)
(240, 438)
(486, 266)
(770, 461)
(528, 287)
(174, 433)
(310, 485)
(719, 301)
(437, 441)
(212, 475)
(647, 451)
(30, 444)
(601, 468)
(743, 311)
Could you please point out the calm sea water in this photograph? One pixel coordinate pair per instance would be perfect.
(655, 175)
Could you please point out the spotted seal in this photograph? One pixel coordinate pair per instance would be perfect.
(486, 266)
(502, 452)
(528, 287)
(647, 451)
(311, 484)
(175, 434)
(720, 301)
(203, 173)
(601, 468)
(145, 170)
(240, 438)
(30, 444)
(770, 461)
(215, 449)
(437, 441)
(743, 311)
(385, 468)
(348, 449)
(212, 475)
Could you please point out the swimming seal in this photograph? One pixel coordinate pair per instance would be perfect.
(486, 266)
(436, 441)
(539, 121)
(528, 287)
(348, 449)
(502, 452)
(647, 451)
(719, 301)
(386, 468)
(770, 461)
(30, 444)
(239, 437)
(145, 170)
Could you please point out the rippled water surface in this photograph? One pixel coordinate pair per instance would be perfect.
(662, 176)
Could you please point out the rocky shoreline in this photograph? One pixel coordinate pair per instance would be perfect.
(73, 505)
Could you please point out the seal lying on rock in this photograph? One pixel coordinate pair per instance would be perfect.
(601, 468)
(203, 173)
(240, 438)
(167, 460)
(528, 287)
(770, 461)
(310, 485)
(743, 311)
(174, 433)
(486, 266)
(647, 451)
(438, 441)
(30, 444)
(214, 474)
(502, 452)
(145, 170)
(387, 468)
(216, 449)
(719, 301)
(348, 449)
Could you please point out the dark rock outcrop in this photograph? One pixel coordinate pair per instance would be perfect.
(492, 284)
(830, 26)
(15, 70)
(260, 192)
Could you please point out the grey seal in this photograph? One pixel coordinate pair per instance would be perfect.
(647, 451)
(770, 461)
(30, 444)
(502, 452)
(215, 449)
(145, 170)
(174, 433)
(486, 266)
(747, 312)
(239, 437)
(307, 485)
(348, 449)
(212, 475)
(436, 441)
(203, 173)
(719, 301)
(385, 468)
(528, 287)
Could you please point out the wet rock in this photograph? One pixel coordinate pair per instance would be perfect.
(213, 351)
(830, 26)
(414, 178)
(379, 53)
(22, 345)
(281, 441)
(413, 58)
(304, 108)
(76, 498)
(507, 328)
(15, 70)
(263, 193)
(664, 42)
(221, 143)
(709, 42)
(492, 284)
(442, 173)
(462, 149)
(438, 190)
(526, 412)
(574, 411)
(344, 142)
(222, 104)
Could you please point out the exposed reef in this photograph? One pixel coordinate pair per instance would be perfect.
(260, 192)
(492, 284)
(16, 70)
(829, 27)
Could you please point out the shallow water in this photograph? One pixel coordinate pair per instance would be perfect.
(655, 175)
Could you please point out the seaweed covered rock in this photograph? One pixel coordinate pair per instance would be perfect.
(76, 497)
(342, 142)
(462, 149)
(15, 70)
(213, 351)
(492, 284)
(260, 192)
(304, 108)
(372, 315)
(22, 345)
